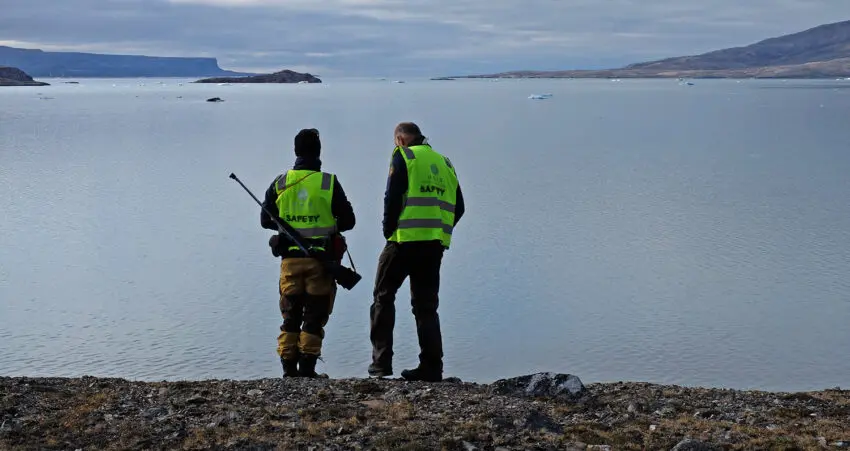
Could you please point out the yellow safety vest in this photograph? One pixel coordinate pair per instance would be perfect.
(304, 200)
(429, 206)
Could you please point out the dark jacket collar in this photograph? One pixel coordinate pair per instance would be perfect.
(419, 142)
(308, 164)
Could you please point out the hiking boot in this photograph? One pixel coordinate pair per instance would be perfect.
(376, 370)
(307, 366)
(420, 374)
(290, 367)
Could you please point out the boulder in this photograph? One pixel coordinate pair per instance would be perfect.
(551, 385)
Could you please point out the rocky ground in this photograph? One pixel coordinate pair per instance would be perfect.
(539, 412)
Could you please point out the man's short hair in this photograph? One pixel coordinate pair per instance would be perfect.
(409, 129)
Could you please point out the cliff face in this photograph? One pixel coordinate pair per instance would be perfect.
(70, 64)
(10, 76)
(284, 76)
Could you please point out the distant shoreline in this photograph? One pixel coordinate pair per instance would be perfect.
(821, 52)
(613, 75)
(476, 77)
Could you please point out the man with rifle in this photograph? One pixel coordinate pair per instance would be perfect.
(312, 203)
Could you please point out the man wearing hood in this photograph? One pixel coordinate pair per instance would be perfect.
(314, 204)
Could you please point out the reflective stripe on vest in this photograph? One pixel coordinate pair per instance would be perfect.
(425, 224)
(304, 202)
(429, 202)
(408, 154)
(308, 232)
(429, 207)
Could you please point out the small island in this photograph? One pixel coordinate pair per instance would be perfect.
(10, 76)
(284, 76)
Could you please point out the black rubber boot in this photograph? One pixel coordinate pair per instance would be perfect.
(376, 370)
(307, 366)
(290, 367)
(422, 374)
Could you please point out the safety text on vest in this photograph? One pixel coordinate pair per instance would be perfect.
(302, 218)
(431, 189)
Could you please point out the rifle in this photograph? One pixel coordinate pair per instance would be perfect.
(345, 277)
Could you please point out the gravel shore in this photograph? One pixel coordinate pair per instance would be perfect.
(536, 412)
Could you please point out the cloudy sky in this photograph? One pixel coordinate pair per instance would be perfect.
(388, 37)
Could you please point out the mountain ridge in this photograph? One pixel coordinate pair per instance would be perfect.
(818, 52)
(822, 43)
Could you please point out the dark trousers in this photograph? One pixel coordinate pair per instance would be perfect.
(421, 262)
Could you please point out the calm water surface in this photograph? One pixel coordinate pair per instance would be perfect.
(641, 230)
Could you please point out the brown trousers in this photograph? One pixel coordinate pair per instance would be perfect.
(307, 294)
(421, 262)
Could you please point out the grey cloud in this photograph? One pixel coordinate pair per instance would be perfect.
(427, 37)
